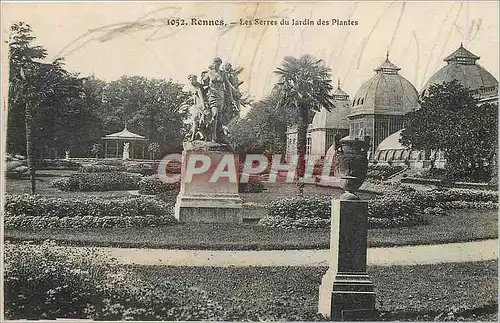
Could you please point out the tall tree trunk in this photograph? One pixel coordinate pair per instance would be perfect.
(301, 148)
(29, 146)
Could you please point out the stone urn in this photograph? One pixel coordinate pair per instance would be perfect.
(351, 163)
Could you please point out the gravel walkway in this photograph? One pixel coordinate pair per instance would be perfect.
(408, 255)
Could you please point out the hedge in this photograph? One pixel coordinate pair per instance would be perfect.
(254, 185)
(401, 206)
(52, 164)
(128, 167)
(153, 185)
(89, 182)
(28, 211)
(383, 171)
(394, 210)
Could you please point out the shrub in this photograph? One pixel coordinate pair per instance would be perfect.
(395, 209)
(27, 211)
(254, 185)
(89, 182)
(153, 185)
(468, 205)
(383, 171)
(112, 162)
(96, 168)
(458, 194)
(48, 282)
(140, 168)
(51, 164)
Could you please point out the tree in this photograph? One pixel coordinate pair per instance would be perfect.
(263, 129)
(451, 120)
(304, 86)
(43, 99)
(149, 107)
(25, 81)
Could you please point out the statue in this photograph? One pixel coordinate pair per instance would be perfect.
(216, 99)
(126, 151)
(199, 110)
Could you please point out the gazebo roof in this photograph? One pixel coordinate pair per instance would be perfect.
(124, 135)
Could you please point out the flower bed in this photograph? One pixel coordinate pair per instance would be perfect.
(51, 164)
(152, 185)
(89, 182)
(254, 185)
(450, 205)
(27, 211)
(96, 168)
(128, 167)
(48, 282)
(383, 171)
(458, 194)
(140, 168)
(391, 210)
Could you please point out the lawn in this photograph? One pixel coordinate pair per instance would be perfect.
(423, 292)
(457, 226)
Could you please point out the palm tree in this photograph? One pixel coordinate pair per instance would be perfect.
(32, 84)
(304, 85)
(22, 88)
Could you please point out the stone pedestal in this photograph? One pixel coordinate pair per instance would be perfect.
(346, 292)
(203, 198)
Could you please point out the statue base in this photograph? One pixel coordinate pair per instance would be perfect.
(347, 296)
(346, 292)
(206, 197)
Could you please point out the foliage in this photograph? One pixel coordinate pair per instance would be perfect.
(382, 171)
(52, 164)
(96, 168)
(460, 194)
(128, 167)
(73, 113)
(140, 168)
(304, 86)
(153, 185)
(148, 106)
(468, 205)
(451, 120)
(44, 98)
(263, 129)
(394, 209)
(23, 211)
(254, 185)
(49, 282)
(85, 182)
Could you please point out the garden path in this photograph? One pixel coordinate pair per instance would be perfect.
(406, 255)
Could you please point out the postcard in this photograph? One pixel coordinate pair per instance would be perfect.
(250, 161)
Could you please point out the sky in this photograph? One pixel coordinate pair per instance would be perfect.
(131, 38)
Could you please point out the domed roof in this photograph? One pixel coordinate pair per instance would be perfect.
(336, 118)
(391, 142)
(386, 92)
(462, 67)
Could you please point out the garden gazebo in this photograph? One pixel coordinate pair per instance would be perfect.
(126, 137)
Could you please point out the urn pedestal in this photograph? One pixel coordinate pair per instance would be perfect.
(346, 292)
(204, 196)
